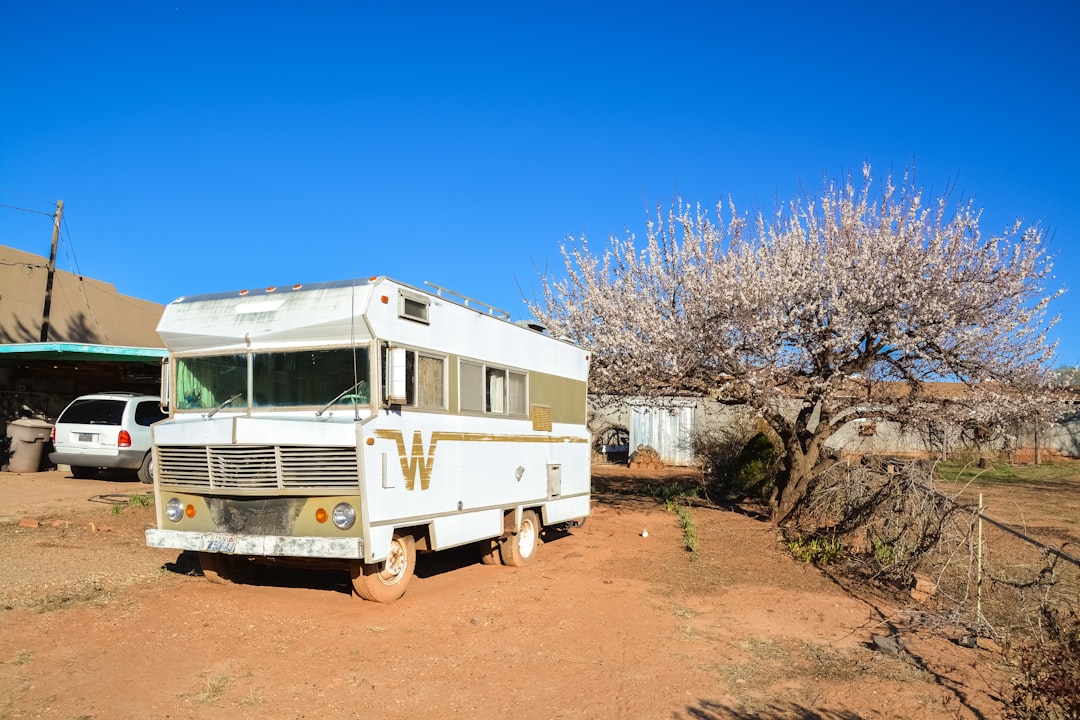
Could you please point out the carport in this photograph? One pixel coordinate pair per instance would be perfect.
(45, 377)
(38, 380)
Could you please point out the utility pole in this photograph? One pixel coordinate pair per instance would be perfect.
(52, 271)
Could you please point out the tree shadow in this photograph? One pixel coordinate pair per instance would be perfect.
(709, 710)
(889, 628)
(20, 333)
(77, 329)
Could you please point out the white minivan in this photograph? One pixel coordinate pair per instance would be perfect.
(108, 430)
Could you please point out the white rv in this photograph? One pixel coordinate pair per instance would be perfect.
(357, 422)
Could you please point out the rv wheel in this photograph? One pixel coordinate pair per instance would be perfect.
(489, 552)
(519, 549)
(386, 581)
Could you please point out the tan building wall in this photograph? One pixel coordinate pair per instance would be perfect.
(83, 310)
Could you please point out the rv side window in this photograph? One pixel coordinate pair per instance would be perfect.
(430, 382)
(472, 387)
(412, 308)
(425, 379)
(516, 393)
(496, 390)
(491, 389)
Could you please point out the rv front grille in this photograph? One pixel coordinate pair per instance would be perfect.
(257, 468)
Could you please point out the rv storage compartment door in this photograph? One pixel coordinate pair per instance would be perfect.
(554, 480)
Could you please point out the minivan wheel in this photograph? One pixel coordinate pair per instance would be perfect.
(146, 470)
(80, 472)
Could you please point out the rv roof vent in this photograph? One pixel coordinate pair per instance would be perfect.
(532, 325)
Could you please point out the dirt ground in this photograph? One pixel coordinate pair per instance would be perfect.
(608, 623)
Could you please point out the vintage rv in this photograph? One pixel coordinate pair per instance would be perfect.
(354, 423)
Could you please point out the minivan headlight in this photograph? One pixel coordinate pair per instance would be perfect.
(174, 509)
(343, 516)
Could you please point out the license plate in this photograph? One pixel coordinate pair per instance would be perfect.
(220, 543)
(86, 437)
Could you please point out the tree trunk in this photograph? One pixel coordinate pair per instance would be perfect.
(802, 464)
(786, 495)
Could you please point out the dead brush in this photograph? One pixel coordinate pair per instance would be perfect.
(1047, 684)
(888, 514)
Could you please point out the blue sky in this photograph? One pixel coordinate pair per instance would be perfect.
(210, 145)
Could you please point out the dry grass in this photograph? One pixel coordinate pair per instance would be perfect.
(214, 688)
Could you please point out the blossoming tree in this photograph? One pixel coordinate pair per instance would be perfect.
(804, 313)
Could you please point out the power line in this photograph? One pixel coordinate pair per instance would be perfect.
(22, 209)
(69, 248)
(69, 251)
(50, 203)
(23, 264)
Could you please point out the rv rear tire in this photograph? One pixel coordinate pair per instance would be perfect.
(386, 581)
(489, 552)
(226, 569)
(519, 549)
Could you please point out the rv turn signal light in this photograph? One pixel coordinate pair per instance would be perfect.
(321, 515)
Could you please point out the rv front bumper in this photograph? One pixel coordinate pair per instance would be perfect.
(257, 545)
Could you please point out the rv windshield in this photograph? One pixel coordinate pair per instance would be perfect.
(288, 379)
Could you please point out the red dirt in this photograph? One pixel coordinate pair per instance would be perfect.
(606, 624)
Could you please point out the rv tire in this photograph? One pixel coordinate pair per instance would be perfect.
(386, 581)
(519, 549)
(489, 552)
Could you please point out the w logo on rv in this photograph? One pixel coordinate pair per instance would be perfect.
(417, 460)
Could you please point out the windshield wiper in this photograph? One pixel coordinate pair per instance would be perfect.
(213, 412)
(337, 397)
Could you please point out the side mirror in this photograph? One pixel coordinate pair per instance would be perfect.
(166, 389)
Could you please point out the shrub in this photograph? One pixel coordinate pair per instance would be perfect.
(1048, 684)
(817, 550)
(671, 493)
(756, 466)
(735, 463)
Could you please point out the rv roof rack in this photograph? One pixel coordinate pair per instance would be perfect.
(468, 301)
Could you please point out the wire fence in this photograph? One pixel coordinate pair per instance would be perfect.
(995, 579)
(965, 568)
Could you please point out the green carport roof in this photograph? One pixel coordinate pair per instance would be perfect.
(80, 351)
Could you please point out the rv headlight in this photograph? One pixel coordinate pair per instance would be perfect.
(174, 510)
(344, 516)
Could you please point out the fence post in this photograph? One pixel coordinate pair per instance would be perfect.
(979, 568)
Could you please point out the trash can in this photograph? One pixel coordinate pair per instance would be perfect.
(28, 440)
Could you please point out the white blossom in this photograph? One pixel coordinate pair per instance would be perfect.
(849, 288)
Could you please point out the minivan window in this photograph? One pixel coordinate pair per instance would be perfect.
(93, 411)
(149, 412)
